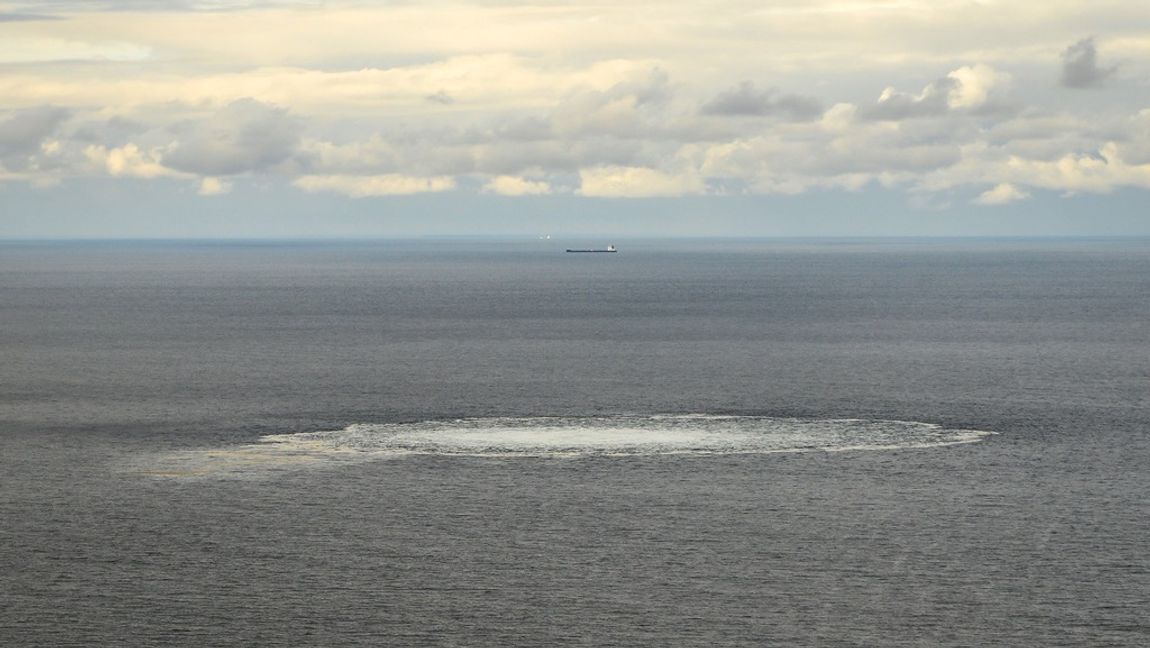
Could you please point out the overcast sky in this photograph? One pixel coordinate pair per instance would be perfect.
(153, 118)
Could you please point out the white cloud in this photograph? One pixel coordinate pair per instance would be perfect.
(41, 50)
(1000, 195)
(362, 99)
(894, 105)
(776, 35)
(373, 154)
(975, 83)
(491, 81)
(214, 187)
(839, 117)
(379, 185)
(516, 186)
(967, 87)
(636, 182)
(1099, 173)
(128, 161)
(626, 109)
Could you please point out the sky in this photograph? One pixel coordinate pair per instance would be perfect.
(308, 118)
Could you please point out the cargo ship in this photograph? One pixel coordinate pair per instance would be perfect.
(609, 248)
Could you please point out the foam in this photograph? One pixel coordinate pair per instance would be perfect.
(560, 437)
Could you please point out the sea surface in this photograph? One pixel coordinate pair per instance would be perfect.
(493, 443)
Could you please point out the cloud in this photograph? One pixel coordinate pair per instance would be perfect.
(967, 88)
(1135, 148)
(172, 5)
(975, 82)
(371, 156)
(1080, 66)
(515, 98)
(24, 17)
(1000, 195)
(893, 105)
(835, 152)
(113, 131)
(25, 130)
(26, 143)
(128, 161)
(214, 187)
(440, 97)
(636, 182)
(746, 99)
(1099, 172)
(35, 49)
(495, 82)
(378, 185)
(626, 109)
(244, 136)
(718, 36)
(516, 186)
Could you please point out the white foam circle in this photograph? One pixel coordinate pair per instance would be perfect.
(568, 437)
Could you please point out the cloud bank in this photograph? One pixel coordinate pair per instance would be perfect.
(590, 101)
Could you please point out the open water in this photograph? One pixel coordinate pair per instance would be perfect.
(493, 443)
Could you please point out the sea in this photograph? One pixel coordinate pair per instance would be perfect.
(487, 442)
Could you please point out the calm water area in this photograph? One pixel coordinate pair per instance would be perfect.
(494, 443)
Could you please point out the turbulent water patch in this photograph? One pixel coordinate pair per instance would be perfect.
(558, 437)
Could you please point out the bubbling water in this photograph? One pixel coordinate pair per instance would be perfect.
(562, 437)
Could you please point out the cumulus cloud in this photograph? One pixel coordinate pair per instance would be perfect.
(127, 161)
(637, 182)
(839, 154)
(1001, 194)
(966, 88)
(1080, 67)
(975, 83)
(1099, 172)
(373, 155)
(214, 187)
(486, 152)
(893, 105)
(516, 186)
(23, 132)
(529, 97)
(746, 99)
(244, 136)
(379, 185)
(626, 109)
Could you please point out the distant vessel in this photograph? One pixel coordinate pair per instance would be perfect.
(610, 248)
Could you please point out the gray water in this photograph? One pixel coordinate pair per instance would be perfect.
(690, 443)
